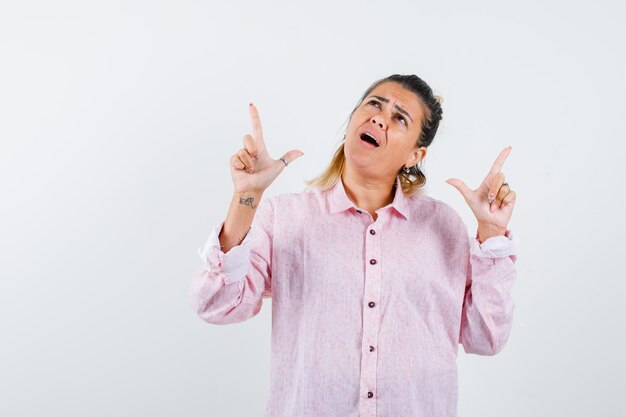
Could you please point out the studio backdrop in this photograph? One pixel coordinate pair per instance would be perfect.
(117, 122)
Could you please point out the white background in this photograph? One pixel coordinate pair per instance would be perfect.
(117, 121)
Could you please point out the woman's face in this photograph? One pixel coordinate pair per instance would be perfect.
(392, 115)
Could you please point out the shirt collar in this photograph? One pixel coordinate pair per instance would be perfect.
(338, 200)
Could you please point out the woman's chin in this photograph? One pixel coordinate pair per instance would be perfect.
(360, 160)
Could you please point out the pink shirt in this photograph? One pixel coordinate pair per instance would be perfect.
(366, 315)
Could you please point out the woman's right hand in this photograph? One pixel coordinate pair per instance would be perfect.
(252, 168)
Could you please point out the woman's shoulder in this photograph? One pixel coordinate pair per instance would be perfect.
(442, 213)
(424, 201)
(293, 200)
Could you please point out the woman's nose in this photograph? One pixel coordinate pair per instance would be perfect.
(378, 120)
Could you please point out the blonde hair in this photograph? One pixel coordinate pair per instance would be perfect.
(411, 183)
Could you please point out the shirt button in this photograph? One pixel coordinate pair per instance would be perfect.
(371, 348)
(371, 304)
(370, 394)
(373, 261)
(372, 232)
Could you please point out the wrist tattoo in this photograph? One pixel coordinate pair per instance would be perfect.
(247, 202)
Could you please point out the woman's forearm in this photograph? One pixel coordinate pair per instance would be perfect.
(239, 218)
(486, 231)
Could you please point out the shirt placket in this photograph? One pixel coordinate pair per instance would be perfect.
(371, 321)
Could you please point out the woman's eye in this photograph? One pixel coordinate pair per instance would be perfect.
(377, 104)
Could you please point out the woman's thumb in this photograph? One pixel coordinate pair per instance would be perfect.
(460, 185)
(291, 156)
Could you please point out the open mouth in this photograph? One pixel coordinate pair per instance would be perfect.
(369, 139)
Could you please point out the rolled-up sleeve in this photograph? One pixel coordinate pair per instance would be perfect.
(231, 286)
(488, 304)
(232, 265)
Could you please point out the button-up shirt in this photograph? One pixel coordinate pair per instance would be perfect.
(367, 315)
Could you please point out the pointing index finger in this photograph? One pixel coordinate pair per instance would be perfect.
(257, 129)
(497, 165)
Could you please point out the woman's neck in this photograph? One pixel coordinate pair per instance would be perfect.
(367, 193)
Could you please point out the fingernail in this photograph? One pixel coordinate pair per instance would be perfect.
(250, 104)
(491, 197)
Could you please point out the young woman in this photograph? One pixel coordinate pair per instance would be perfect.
(373, 283)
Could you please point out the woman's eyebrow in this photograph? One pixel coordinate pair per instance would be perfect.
(400, 109)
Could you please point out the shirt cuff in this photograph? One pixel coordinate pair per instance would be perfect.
(233, 265)
(495, 246)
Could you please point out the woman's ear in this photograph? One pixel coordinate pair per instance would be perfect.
(417, 155)
(421, 154)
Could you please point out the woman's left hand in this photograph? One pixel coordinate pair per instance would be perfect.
(492, 202)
